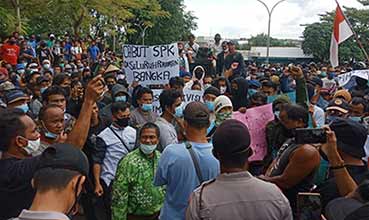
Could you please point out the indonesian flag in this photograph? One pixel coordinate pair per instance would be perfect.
(341, 32)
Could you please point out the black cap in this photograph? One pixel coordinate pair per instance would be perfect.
(339, 105)
(351, 136)
(231, 137)
(42, 79)
(65, 156)
(213, 91)
(196, 112)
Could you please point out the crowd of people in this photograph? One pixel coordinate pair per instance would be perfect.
(77, 139)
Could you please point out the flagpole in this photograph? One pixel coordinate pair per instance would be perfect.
(355, 34)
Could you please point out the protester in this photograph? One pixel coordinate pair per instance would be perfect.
(170, 104)
(235, 193)
(134, 195)
(58, 180)
(234, 62)
(221, 59)
(239, 94)
(9, 52)
(192, 47)
(183, 167)
(144, 112)
(295, 165)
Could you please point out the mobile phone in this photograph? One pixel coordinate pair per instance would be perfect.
(309, 206)
(310, 136)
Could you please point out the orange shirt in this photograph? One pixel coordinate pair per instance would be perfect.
(9, 53)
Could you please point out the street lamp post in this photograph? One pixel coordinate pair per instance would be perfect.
(270, 12)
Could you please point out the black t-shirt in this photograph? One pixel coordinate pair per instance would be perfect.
(329, 191)
(16, 192)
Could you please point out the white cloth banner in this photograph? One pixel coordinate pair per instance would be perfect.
(150, 65)
(192, 96)
(343, 79)
(156, 102)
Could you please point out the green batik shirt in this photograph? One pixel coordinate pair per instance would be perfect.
(133, 189)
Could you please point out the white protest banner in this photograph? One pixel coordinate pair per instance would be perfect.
(151, 65)
(192, 96)
(156, 102)
(344, 79)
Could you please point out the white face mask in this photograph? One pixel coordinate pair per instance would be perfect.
(33, 146)
(147, 149)
(223, 89)
(47, 66)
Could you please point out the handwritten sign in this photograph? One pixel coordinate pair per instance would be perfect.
(192, 96)
(156, 102)
(347, 78)
(256, 120)
(291, 96)
(151, 65)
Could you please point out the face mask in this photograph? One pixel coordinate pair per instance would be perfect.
(330, 118)
(46, 66)
(179, 112)
(122, 122)
(20, 71)
(276, 113)
(120, 99)
(357, 119)
(323, 74)
(221, 117)
(32, 146)
(73, 209)
(33, 70)
(206, 86)
(252, 92)
(223, 89)
(42, 90)
(331, 75)
(61, 65)
(147, 149)
(226, 50)
(23, 107)
(146, 107)
(210, 105)
(67, 91)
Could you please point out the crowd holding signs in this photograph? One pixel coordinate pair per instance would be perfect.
(178, 131)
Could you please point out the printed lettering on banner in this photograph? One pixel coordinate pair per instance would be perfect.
(256, 120)
(156, 102)
(150, 65)
(192, 96)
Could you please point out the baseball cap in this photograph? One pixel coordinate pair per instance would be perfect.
(339, 105)
(42, 79)
(212, 90)
(351, 136)
(231, 137)
(221, 102)
(6, 86)
(196, 112)
(275, 79)
(254, 84)
(344, 94)
(64, 156)
(15, 95)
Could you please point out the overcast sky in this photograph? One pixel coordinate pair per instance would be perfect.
(243, 18)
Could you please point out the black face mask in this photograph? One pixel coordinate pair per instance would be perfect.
(288, 132)
(110, 86)
(122, 122)
(73, 209)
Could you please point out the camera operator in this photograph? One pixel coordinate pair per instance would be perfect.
(295, 166)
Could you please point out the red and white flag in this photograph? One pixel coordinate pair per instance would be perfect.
(341, 32)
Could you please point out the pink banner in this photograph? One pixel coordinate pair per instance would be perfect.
(256, 120)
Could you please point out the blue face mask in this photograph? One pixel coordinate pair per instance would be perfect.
(330, 118)
(210, 105)
(252, 92)
(146, 107)
(357, 119)
(179, 112)
(42, 90)
(50, 135)
(323, 74)
(23, 107)
(120, 99)
(331, 75)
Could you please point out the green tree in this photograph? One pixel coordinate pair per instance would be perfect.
(260, 40)
(317, 36)
(176, 25)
